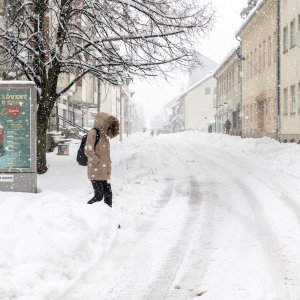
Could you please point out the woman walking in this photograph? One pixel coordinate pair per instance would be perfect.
(99, 161)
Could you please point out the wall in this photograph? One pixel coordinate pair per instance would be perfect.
(290, 72)
(259, 73)
(198, 106)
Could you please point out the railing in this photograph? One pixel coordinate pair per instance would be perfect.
(72, 124)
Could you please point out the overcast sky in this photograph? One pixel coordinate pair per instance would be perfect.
(152, 95)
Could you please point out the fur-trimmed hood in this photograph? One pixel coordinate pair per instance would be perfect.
(107, 124)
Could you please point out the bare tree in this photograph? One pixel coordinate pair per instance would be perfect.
(103, 38)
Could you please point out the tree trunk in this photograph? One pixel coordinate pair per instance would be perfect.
(46, 101)
(42, 125)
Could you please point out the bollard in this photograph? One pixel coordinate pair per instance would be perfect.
(63, 149)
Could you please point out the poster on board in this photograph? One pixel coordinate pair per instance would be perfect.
(15, 128)
(18, 111)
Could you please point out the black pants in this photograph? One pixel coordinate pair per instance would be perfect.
(102, 189)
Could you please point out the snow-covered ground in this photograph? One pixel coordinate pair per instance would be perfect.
(202, 215)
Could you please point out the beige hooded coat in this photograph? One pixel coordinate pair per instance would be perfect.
(99, 162)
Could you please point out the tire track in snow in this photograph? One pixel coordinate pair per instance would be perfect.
(278, 263)
(270, 243)
(161, 288)
(198, 257)
(290, 266)
(164, 279)
(274, 249)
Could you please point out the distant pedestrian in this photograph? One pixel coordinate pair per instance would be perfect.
(99, 162)
(227, 126)
(152, 132)
(209, 129)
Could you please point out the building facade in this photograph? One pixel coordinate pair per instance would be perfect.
(198, 104)
(228, 98)
(193, 109)
(259, 42)
(290, 71)
(88, 96)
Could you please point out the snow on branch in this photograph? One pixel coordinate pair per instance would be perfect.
(46, 38)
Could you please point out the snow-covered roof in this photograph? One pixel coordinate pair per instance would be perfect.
(207, 77)
(196, 74)
(227, 57)
(252, 13)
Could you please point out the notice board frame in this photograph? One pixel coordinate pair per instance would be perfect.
(21, 178)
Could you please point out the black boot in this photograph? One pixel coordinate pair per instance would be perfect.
(98, 191)
(93, 200)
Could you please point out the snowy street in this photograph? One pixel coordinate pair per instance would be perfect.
(203, 216)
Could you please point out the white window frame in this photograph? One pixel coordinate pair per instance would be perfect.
(293, 99)
(293, 34)
(269, 51)
(264, 55)
(285, 39)
(285, 101)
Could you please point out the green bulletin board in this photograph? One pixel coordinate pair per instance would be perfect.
(15, 139)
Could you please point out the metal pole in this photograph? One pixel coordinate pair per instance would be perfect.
(73, 113)
(57, 119)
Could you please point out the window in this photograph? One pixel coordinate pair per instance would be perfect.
(222, 86)
(269, 51)
(285, 39)
(247, 69)
(251, 64)
(255, 61)
(264, 55)
(226, 83)
(298, 98)
(286, 101)
(247, 114)
(259, 58)
(293, 99)
(223, 90)
(207, 91)
(275, 47)
(292, 34)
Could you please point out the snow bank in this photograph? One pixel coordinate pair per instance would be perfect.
(50, 239)
(47, 240)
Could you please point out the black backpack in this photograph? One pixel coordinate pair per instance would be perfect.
(81, 157)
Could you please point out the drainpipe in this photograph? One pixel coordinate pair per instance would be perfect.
(241, 88)
(278, 87)
(216, 114)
